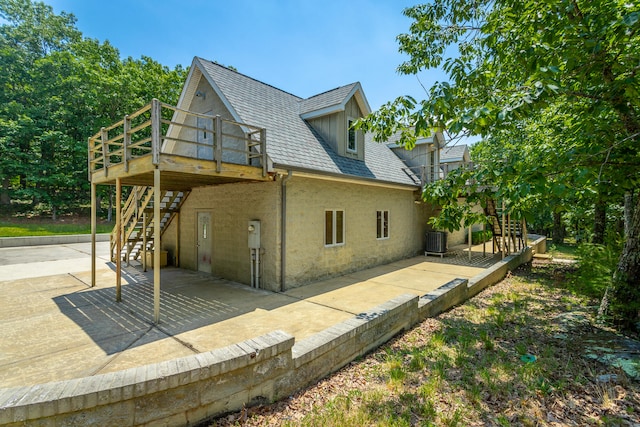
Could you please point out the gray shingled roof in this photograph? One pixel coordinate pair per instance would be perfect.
(326, 99)
(291, 142)
(454, 153)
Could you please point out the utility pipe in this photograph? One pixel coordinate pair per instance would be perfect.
(258, 268)
(283, 230)
(251, 258)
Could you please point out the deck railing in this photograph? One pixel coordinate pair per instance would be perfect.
(432, 173)
(161, 128)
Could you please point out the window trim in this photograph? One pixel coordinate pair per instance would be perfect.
(334, 221)
(350, 121)
(382, 225)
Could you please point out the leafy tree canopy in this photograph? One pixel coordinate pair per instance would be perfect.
(552, 87)
(56, 89)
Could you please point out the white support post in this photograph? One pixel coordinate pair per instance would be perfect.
(94, 212)
(156, 245)
(118, 239)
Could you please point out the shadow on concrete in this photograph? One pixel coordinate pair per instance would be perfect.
(188, 300)
(191, 300)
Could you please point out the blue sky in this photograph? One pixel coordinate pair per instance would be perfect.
(303, 47)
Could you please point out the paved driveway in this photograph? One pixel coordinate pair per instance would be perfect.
(54, 326)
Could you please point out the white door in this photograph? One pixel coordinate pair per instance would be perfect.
(204, 242)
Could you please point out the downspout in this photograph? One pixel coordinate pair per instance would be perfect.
(283, 230)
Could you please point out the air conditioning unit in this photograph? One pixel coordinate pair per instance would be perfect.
(436, 242)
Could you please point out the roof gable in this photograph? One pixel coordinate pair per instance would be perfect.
(333, 101)
(291, 141)
(455, 153)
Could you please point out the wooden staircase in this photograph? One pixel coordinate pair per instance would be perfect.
(512, 237)
(137, 220)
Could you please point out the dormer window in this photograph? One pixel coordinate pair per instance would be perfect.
(352, 141)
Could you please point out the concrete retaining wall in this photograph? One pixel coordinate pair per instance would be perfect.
(192, 389)
(12, 242)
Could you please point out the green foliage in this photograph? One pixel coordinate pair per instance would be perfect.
(480, 236)
(553, 89)
(56, 89)
(596, 264)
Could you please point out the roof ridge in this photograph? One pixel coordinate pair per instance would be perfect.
(251, 78)
(327, 91)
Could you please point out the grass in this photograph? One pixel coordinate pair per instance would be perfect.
(567, 250)
(36, 228)
(499, 359)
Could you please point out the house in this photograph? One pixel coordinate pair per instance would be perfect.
(454, 156)
(260, 186)
(424, 159)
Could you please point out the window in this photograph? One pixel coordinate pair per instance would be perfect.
(334, 228)
(352, 143)
(382, 224)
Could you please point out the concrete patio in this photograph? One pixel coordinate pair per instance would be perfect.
(55, 327)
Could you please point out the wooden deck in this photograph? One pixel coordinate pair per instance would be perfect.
(177, 173)
(158, 149)
(189, 149)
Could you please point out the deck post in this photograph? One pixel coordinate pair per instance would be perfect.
(94, 212)
(89, 158)
(470, 242)
(484, 239)
(144, 241)
(177, 258)
(156, 117)
(524, 232)
(263, 150)
(436, 160)
(428, 167)
(104, 137)
(126, 141)
(156, 245)
(510, 235)
(218, 144)
(118, 239)
(503, 229)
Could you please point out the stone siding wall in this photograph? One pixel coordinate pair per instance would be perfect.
(192, 389)
(308, 259)
(232, 206)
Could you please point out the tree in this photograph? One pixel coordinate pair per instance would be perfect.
(56, 89)
(570, 65)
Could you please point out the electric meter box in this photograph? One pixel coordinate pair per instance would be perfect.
(254, 234)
